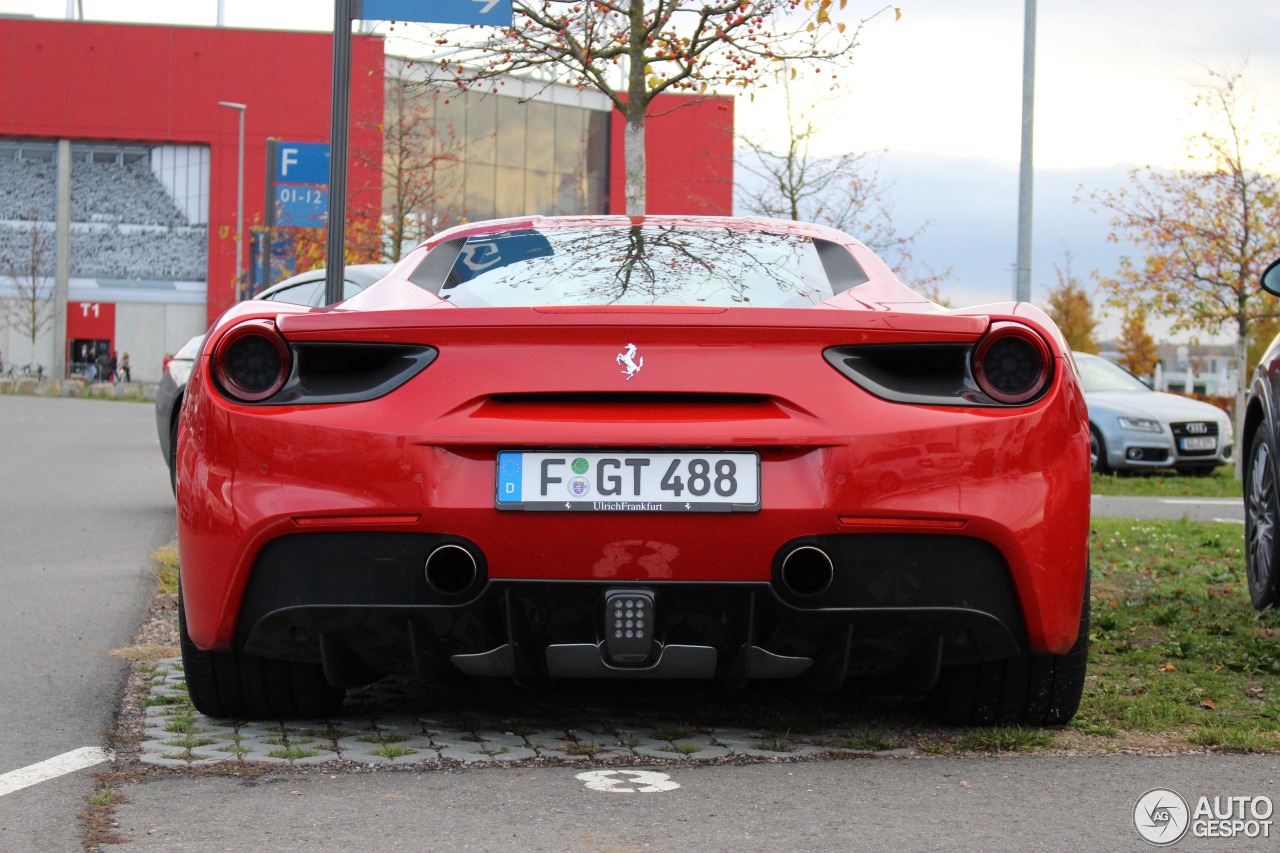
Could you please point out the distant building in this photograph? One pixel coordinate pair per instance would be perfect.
(1208, 370)
(153, 180)
(1195, 369)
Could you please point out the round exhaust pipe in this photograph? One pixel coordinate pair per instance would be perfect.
(450, 569)
(807, 571)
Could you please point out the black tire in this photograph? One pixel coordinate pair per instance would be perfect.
(1097, 451)
(173, 452)
(1027, 689)
(1261, 512)
(232, 685)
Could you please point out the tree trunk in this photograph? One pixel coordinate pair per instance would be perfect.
(633, 156)
(637, 106)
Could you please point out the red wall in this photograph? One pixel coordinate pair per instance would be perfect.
(92, 320)
(112, 82)
(689, 152)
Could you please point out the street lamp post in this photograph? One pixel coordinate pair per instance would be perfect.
(240, 108)
(1026, 169)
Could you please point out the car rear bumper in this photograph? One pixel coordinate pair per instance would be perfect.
(892, 604)
(846, 466)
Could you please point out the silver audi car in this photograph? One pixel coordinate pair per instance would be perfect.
(1133, 428)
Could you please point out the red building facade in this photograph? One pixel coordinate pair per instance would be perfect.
(160, 84)
(122, 85)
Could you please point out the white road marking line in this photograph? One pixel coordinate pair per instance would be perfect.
(52, 768)
(628, 781)
(1229, 520)
(1204, 501)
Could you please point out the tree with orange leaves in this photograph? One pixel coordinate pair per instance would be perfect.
(1137, 348)
(366, 235)
(1207, 233)
(632, 51)
(1069, 305)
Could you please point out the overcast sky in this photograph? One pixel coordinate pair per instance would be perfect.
(940, 89)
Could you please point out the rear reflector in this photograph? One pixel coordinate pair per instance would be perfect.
(354, 520)
(915, 523)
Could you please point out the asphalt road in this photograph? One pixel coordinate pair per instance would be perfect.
(1014, 804)
(1230, 510)
(84, 501)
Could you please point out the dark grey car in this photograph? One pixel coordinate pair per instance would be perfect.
(1262, 468)
(302, 289)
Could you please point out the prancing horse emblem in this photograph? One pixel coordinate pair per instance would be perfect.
(627, 358)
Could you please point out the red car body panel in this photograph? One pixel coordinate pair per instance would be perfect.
(835, 459)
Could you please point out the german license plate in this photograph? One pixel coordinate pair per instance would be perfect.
(1200, 442)
(582, 481)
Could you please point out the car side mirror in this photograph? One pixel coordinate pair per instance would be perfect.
(1271, 278)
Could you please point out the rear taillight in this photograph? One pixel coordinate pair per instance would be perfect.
(252, 362)
(1011, 364)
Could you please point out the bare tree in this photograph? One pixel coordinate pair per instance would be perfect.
(28, 265)
(632, 51)
(421, 164)
(843, 191)
(1207, 234)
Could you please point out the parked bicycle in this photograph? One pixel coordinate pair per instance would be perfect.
(33, 371)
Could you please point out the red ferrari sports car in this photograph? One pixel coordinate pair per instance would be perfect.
(635, 448)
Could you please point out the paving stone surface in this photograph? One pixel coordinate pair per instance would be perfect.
(397, 724)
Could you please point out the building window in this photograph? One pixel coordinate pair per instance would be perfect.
(536, 150)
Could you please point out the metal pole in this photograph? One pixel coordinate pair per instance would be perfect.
(269, 214)
(1026, 169)
(62, 261)
(239, 202)
(340, 108)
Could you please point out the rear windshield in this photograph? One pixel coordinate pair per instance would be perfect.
(637, 265)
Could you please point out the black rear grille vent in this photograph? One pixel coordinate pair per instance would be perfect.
(624, 398)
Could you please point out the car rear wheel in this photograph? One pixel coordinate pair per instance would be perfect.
(1097, 451)
(239, 686)
(1027, 689)
(1261, 509)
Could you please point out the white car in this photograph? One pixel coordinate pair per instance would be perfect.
(1132, 428)
(307, 288)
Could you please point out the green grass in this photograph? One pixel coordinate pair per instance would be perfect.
(166, 569)
(293, 753)
(1223, 484)
(394, 751)
(1176, 649)
(1005, 739)
(104, 796)
(868, 741)
(674, 732)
